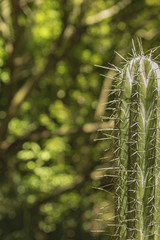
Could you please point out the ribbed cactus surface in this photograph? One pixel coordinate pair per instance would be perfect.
(137, 150)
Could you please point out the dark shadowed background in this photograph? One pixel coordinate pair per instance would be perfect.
(51, 102)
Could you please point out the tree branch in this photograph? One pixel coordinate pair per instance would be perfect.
(53, 58)
(77, 184)
(41, 133)
(105, 90)
(4, 26)
(104, 94)
(107, 13)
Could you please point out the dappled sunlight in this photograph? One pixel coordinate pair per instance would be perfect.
(54, 125)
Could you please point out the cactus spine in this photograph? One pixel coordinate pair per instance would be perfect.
(137, 151)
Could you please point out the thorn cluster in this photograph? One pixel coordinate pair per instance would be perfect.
(135, 109)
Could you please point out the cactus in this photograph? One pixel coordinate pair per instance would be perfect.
(137, 149)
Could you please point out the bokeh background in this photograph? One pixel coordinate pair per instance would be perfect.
(52, 99)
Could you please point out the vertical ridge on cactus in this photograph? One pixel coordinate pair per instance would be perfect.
(137, 152)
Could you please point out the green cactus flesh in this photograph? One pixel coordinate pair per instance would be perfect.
(137, 151)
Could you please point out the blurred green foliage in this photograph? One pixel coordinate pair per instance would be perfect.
(51, 97)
